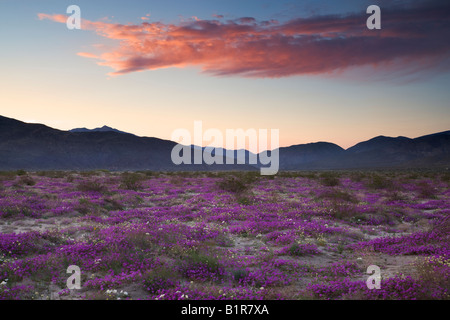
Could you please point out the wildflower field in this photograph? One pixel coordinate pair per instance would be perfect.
(231, 235)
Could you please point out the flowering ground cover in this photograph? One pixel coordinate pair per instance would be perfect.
(152, 235)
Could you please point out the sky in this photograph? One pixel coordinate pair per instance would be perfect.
(311, 69)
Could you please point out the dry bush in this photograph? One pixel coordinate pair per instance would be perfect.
(426, 190)
(329, 179)
(338, 195)
(132, 181)
(378, 181)
(25, 180)
(91, 186)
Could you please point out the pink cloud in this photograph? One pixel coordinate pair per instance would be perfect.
(53, 17)
(249, 48)
(87, 55)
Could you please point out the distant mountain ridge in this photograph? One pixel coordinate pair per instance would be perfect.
(102, 129)
(380, 152)
(39, 147)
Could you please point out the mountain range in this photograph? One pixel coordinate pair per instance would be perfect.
(102, 129)
(39, 147)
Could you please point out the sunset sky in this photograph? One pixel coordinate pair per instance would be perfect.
(309, 68)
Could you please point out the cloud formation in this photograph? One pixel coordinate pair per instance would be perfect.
(414, 35)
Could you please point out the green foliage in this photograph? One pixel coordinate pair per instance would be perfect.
(158, 279)
(301, 249)
(239, 274)
(196, 259)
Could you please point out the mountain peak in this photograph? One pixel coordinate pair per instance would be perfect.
(105, 128)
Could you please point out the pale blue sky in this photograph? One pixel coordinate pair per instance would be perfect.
(44, 80)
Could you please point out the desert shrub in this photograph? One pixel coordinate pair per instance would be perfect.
(8, 212)
(309, 175)
(434, 275)
(298, 174)
(398, 288)
(88, 173)
(159, 279)
(338, 195)
(396, 196)
(112, 204)
(250, 176)
(85, 206)
(378, 181)
(340, 247)
(197, 257)
(91, 186)
(202, 267)
(239, 274)
(245, 200)
(15, 293)
(329, 179)
(70, 178)
(301, 249)
(131, 181)
(442, 226)
(139, 240)
(342, 210)
(21, 172)
(412, 176)
(25, 180)
(7, 175)
(148, 173)
(53, 174)
(357, 176)
(446, 177)
(426, 190)
(178, 181)
(224, 241)
(233, 184)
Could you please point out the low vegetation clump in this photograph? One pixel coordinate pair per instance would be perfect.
(378, 181)
(329, 179)
(233, 184)
(132, 181)
(91, 186)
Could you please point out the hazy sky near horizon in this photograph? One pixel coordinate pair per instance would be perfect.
(308, 68)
